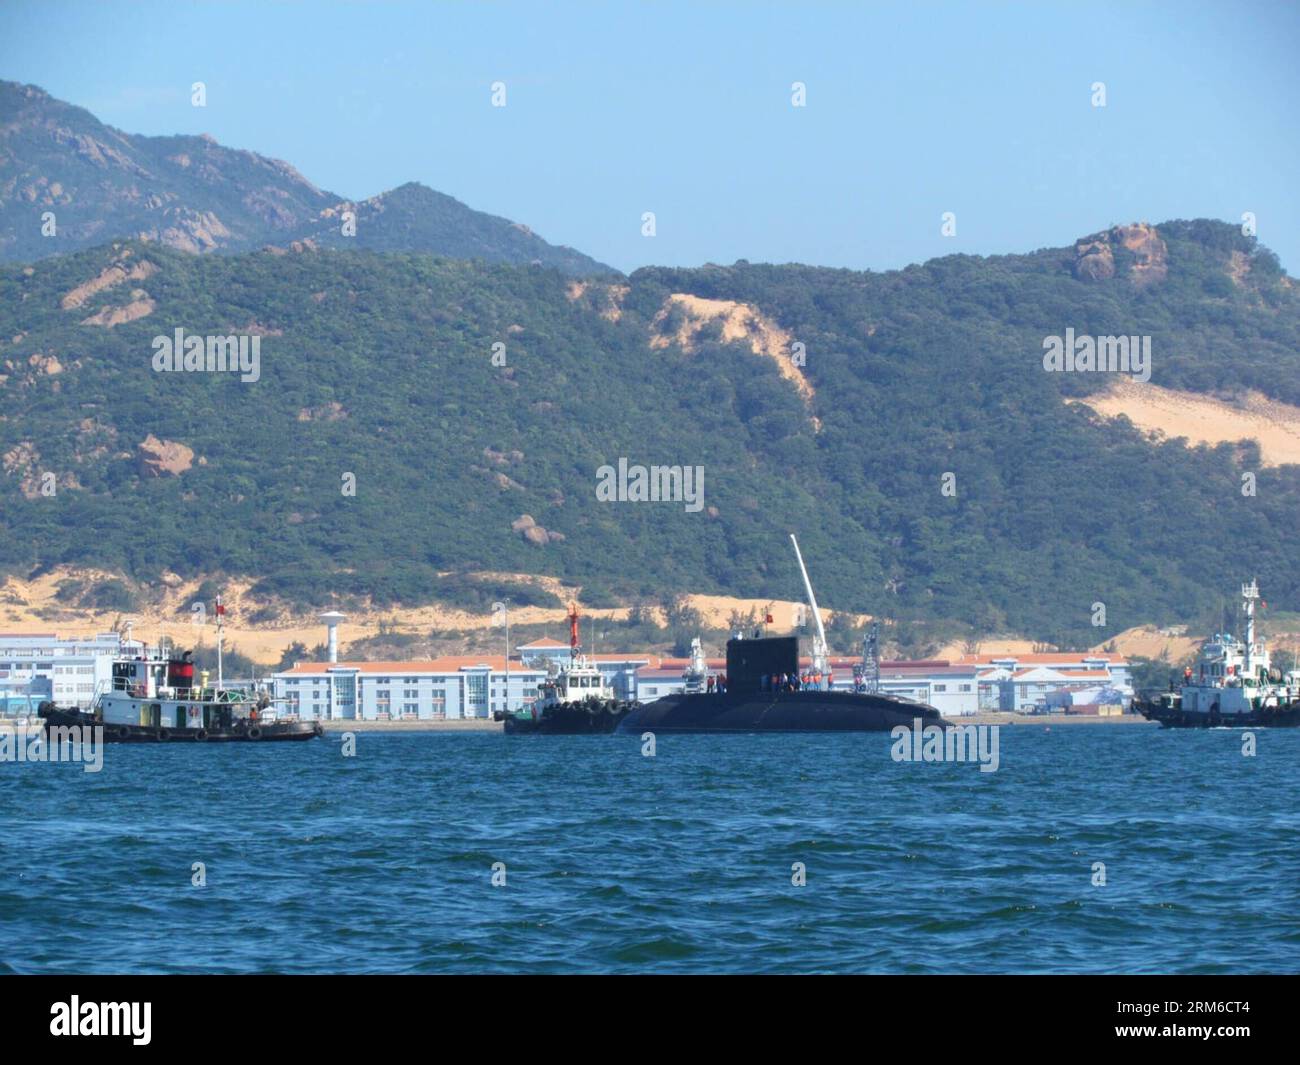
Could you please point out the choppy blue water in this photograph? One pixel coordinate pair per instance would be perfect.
(681, 862)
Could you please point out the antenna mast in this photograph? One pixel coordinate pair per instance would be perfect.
(221, 618)
(573, 632)
(1249, 593)
(871, 659)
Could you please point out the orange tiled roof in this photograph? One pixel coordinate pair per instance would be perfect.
(1047, 659)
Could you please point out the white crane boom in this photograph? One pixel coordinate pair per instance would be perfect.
(819, 644)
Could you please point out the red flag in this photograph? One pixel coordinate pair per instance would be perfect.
(220, 608)
(769, 619)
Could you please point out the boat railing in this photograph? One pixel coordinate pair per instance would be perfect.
(126, 686)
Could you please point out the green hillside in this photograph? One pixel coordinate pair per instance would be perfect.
(381, 366)
(415, 218)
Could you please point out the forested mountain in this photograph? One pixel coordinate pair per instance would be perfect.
(467, 456)
(416, 218)
(69, 182)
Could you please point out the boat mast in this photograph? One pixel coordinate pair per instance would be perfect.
(819, 640)
(1249, 593)
(221, 614)
(573, 633)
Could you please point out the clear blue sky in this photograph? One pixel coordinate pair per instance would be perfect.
(683, 109)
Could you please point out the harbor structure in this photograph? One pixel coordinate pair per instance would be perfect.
(1029, 683)
(47, 667)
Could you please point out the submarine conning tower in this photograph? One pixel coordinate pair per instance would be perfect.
(748, 661)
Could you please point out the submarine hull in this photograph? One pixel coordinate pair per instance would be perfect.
(798, 711)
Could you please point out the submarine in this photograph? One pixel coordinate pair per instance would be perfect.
(749, 702)
(756, 697)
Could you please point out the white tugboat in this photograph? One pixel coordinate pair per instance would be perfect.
(1231, 685)
(575, 698)
(153, 698)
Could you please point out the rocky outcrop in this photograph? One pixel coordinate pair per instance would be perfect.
(105, 279)
(191, 231)
(22, 461)
(333, 411)
(163, 458)
(1093, 260)
(526, 527)
(45, 364)
(141, 305)
(1149, 251)
(1094, 256)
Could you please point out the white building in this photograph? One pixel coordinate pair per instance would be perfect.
(1027, 682)
(450, 688)
(951, 689)
(41, 667)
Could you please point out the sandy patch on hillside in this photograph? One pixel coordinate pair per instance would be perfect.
(605, 300)
(1203, 419)
(165, 610)
(1146, 641)
(994, 645)
(614, 296)
(716, 610)
(739, 321)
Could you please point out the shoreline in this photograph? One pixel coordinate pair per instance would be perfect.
(1006, 717)
(473, 724)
